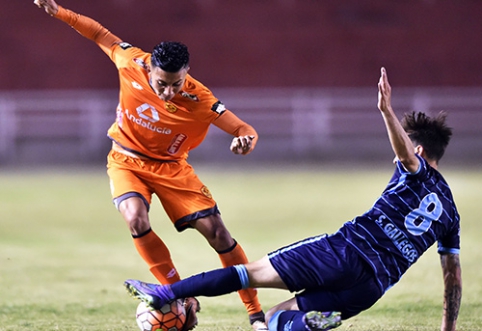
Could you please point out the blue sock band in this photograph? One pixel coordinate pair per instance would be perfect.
(243, 275)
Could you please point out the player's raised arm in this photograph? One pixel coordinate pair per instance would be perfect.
(452, 290)
(401, 143)
(245, 136)
(86, 26)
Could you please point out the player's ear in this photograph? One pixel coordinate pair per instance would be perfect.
(419, 150)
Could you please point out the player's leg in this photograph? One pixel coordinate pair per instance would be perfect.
(132, 198)
(231, 253)
(148, 244)
(322, 308)
(305, 264)
(131, 183)
(286, 315)
(189, 203)
(211, 283)
(226, 280)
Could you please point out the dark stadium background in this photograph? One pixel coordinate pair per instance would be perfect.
(277, 47)
(254, 43)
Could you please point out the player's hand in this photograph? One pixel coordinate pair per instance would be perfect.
(241, 144)
(50, 6)
(384, 92)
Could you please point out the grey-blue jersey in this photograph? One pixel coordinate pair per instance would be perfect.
(413, 212)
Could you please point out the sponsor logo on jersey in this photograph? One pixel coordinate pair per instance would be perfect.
(193, 97)
(170, 107)
(176, 143)
(125, 45)
(206, 192)
(218, 107)
(148, 112)
(145, 120)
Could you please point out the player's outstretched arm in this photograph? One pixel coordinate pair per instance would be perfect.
(452, 275)
(245, 136)
(50, 6)
(86, 26)
(401, 143)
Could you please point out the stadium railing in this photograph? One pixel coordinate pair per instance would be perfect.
(64, 126)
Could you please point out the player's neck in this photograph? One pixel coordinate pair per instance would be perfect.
(433, 164)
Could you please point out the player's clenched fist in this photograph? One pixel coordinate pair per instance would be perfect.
(50, 6)
(242, 144)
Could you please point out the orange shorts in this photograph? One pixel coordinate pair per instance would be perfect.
(183, 196)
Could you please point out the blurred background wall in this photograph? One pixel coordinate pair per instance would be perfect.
(261, 52)
(254, 43)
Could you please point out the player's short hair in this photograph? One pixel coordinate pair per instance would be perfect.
(430, 132)
(170, 56)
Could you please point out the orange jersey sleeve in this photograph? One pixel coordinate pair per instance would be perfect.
(89, 28)
(233, 125)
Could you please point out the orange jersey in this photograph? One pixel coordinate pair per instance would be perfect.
(145, 124)
(153, 127)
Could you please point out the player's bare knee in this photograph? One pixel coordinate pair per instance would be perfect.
(221, 243)
(213, 229)
(221, 240)
(136, 220)
(138, 226)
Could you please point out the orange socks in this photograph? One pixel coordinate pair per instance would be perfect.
(156, 254)
(249, 296)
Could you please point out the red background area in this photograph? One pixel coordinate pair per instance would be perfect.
(253, 43)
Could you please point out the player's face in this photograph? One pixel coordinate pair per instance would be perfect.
(167, 84)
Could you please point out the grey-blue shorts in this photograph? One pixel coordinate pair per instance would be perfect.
(327, 274)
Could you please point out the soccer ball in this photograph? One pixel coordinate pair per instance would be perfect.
(171, 317)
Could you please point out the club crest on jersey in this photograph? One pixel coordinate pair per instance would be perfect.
(125, 45)
(206, 192)
(193, 97)
(170, 107)
(140, 63)
(218, 107)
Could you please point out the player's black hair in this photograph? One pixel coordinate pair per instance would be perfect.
(430, 132)
(170, 56)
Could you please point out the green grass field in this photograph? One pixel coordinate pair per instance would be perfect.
(65, 251)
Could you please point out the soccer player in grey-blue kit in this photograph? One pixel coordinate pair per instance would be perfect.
(338, 276)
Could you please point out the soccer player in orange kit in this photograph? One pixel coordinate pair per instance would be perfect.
(162, 114)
